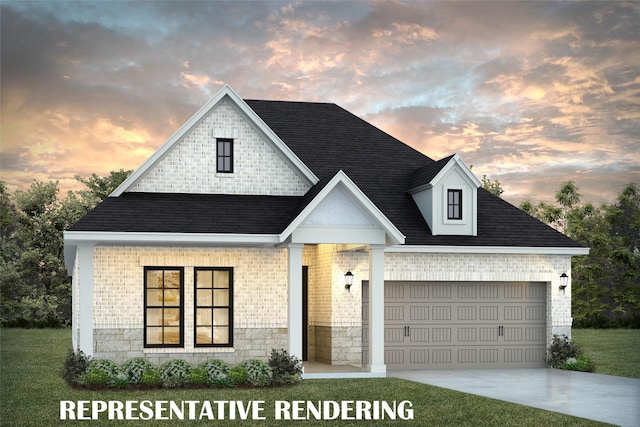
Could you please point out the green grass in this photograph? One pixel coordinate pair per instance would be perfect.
(613, 351)
(31, 391)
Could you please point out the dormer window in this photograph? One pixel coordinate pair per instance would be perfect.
(454, 204)
(224, 155)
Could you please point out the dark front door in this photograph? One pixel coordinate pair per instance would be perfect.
(305, 311)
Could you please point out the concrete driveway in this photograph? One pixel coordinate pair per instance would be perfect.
(605, 398)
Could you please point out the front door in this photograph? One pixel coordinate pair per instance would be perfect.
(305, 311)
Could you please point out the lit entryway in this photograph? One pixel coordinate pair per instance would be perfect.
(444, 325)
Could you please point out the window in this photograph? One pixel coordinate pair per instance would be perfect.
(224, 156)
(163, 319)
(454, 204)
(214, 307)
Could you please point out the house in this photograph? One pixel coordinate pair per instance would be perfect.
(238, 236)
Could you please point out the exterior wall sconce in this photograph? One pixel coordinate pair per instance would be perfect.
(564, 279)
(348, 280)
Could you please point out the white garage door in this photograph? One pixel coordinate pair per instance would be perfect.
(444, 325)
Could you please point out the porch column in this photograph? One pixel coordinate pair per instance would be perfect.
(295, 299)
(376, 309)
(85, 285)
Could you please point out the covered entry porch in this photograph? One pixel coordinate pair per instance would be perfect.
(339, 231)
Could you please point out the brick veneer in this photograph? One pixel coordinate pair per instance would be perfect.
(190, 166)
(260, 295)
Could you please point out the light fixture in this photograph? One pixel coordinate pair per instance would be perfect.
(348, 280)
(563, 281)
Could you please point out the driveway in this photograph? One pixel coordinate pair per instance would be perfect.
(605, 398)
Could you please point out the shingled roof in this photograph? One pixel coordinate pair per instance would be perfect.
(327, 139)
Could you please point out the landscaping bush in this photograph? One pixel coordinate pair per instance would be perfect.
(286, 369)
(175, 373)
(560, 350)
(75, 366)
(582, 363)
(198, 377)
(217, 372)
(238, 375)
(134, 368)
(259, 373)
(151, 378)
(102, 372)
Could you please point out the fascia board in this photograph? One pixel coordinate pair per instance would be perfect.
(245, 110)
(488, 250)
(363, 200)
(140, 238)
(456, 160)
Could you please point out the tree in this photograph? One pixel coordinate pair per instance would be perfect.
(99, 187)
(34, 285)
(606, 283)
(493, 187)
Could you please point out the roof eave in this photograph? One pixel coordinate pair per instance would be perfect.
(511, 250)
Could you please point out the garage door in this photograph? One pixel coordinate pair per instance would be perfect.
(446, 325)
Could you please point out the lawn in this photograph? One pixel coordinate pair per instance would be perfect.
(613, 351)
(31, 391)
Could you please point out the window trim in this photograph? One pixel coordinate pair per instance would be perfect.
(196, 306)
(459, 205)
(223, 155)
(180, 307)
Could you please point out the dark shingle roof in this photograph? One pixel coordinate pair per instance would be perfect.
(191, 213)
(326, 138)
(425, 174)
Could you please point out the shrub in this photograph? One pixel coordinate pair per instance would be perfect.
(217, 372)
(101, 372)
(96, 378)
(134, 368)
(582, 363)
(286, 369)
(75, 366)
(560, 350)
(238, 375)
(175, 373)
(259, 373)
(198, 377)
(151, 378)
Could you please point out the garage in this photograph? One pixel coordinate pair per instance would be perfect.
(457, 325)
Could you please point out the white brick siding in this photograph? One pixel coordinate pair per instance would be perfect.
(260, 294)
(190, 166)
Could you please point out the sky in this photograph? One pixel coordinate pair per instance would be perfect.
(532, 94)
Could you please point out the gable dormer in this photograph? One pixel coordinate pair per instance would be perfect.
(446, 192)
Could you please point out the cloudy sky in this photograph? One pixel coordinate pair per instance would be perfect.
(532, 94)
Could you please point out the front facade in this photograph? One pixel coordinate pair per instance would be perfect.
(234, 239)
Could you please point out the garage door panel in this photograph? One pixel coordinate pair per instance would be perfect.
(419, 312)
(418, 335)
(447, 325)
(394, 312)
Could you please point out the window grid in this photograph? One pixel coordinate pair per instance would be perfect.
(213, 307)
(163, 302)
(224, 155)
(454, 204)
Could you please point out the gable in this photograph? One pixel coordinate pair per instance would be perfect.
(337, 209)
(186, 162)
(189, 166)
(340, 212)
